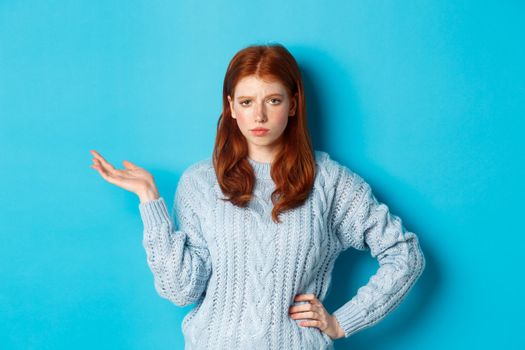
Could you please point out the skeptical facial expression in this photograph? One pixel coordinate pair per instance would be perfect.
(259, 104)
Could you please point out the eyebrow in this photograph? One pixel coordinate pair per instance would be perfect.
(275, 94)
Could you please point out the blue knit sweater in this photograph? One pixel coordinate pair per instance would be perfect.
(243, 271)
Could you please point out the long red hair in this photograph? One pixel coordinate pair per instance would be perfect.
(293, 169)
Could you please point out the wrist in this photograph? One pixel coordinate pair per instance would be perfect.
(340, 330)
(148, 194)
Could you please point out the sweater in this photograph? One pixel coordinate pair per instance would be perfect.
(242, 270)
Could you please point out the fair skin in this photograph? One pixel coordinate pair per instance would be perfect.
(256, 103)
(132, 178)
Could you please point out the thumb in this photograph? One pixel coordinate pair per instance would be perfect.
(129, 165)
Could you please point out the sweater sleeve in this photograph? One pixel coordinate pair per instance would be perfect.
(178, 257)
(361, 222)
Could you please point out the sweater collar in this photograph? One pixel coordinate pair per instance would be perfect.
(261, 170)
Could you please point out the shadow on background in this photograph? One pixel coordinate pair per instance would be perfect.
(354, 268)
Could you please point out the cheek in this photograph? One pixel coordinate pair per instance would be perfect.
(283, 120)
(241, 120)
(280, 114)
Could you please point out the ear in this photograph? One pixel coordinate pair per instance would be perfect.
(231, 106)
(293, 107)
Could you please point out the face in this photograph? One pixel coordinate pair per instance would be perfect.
(260, 104)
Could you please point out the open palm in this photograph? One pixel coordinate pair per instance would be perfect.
(132, 178)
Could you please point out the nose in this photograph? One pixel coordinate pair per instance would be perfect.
(260, 113)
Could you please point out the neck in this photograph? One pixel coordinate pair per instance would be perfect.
(264, 154)
(261, 169)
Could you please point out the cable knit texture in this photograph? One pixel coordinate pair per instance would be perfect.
(243, 271)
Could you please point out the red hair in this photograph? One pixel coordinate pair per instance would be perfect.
(293, 169)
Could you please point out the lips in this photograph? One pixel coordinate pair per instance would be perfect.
(259, 131)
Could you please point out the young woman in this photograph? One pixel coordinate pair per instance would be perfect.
(260, 223)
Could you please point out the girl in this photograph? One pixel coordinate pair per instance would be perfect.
(256, 228)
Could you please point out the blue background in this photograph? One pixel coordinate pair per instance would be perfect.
(424, 99)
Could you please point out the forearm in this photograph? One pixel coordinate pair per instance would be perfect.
(180, 272)
(400, 268)
(362, 222)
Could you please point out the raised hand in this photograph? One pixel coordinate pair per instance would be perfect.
(132, 178)
(316, 316)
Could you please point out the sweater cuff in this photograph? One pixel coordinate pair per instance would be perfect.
(351, 317)
(154, 212)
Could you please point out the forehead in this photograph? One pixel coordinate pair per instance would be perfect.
(252, 85)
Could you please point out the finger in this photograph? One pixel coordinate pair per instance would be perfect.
(130, 165)
(98, 165)
(108, 177)
(308, 314)
(305, 297)
(310, 323)
(103, 161)
(303, 307)
(103, 170)
(109, 170)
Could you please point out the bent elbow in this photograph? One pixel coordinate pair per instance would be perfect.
(406, 260)
(180, 298)
(182, 301)
(420, 263)
(414, 262)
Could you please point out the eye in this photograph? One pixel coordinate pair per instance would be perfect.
(275, 99)
(242, 102)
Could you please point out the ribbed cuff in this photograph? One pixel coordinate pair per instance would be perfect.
(351, 318)
(154, 212)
